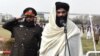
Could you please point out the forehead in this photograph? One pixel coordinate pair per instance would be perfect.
(61, 9)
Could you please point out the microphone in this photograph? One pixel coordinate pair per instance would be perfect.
(63, 23)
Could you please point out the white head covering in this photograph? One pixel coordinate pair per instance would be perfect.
(53, 37)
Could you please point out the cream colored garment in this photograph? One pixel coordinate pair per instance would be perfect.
(53, 38)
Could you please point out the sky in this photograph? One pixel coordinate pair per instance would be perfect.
(16, 7)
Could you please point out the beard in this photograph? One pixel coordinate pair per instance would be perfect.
(29, 23)
(58, 20)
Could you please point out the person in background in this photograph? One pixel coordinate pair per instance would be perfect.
(96, 33)
(53, 41)
(89, 34)
(26, 32)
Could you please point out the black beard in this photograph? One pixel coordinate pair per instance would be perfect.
(29, 24)
(58, 19)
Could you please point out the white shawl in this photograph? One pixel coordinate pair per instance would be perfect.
(53, 37)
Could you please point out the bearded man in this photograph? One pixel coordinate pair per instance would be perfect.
(53, 37)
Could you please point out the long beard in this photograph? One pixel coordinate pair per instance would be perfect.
(58, 19)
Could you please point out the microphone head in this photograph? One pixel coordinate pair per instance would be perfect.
(62, 22)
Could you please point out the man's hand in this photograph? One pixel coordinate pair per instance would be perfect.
(18, 18)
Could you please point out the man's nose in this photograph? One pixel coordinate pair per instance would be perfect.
(60, 14)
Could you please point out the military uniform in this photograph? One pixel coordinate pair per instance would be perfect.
(27, 38)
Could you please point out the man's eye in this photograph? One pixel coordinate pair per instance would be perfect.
(61, 12)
